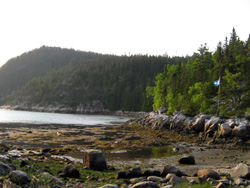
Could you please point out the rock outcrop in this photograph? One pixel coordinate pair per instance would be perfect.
(209, 126)
(94, 159)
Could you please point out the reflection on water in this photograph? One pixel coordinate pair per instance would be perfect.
(123, 155)
(14, 116)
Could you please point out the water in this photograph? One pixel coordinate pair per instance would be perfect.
(123, 155)
(27, 117)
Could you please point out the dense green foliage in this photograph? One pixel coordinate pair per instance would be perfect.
(119, 82)
(188, 86)
(55, 76)
(20, 70)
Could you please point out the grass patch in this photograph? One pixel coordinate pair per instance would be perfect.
(89, 178)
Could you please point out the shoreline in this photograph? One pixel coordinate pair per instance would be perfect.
(68, 110)
(54, 142)
(43, 142)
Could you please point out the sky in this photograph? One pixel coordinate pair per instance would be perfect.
(120, 27)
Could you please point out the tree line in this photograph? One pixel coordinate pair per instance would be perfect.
(188, 86)
(119, 82)
(56, 76)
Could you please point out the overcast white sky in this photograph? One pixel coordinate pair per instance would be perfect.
(154, 27)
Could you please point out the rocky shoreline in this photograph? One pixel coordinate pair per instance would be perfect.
(203, 125)
(95, 107)
(219, 158)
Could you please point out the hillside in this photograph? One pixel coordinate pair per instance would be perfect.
(60, 77)
(18, 71)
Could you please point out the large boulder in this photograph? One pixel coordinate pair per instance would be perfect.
(208, 173)
(152, 173)
(240, 171)
(168, 169)
(70, 171)
(240, 131)
(199, 122)
(120, 175)
(134, 173)
(225, 129)
(4, 169)
(19, 177)
(94, 159)
(187, 160)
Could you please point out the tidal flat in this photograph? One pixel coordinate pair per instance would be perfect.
(124, 146)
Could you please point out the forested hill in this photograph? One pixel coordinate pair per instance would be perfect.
(18, 71)
(60, 77)
(189, 86)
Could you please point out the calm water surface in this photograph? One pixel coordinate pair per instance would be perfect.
(14, 116)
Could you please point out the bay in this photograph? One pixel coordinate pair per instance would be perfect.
(27, 117)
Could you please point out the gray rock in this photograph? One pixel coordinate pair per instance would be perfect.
(172, 170)
(154, 178)
(240, 131)
(187, 160)
(225, 129)
(161, 110)
(208, 173)
(70, 171)
(232, 123)
(152, 173)
(94, 159)
(19, 177)
(146, 184)
(137, 180)
(4, 169)
(199, 123)
(109, 186)
(180, 121)
(134, 173)
(121, 175)
(240, 171)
